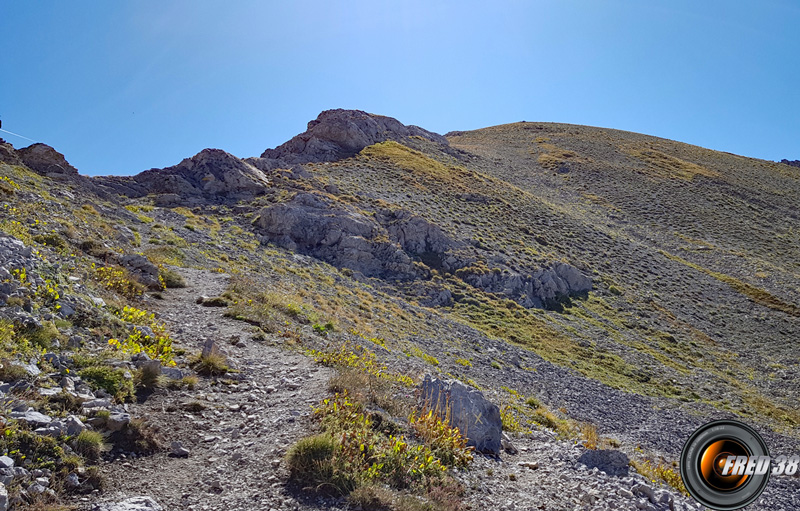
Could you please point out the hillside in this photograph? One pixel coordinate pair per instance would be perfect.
(609, 291)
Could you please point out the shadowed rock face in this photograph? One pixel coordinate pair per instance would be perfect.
(337, 134)
(210, 174)
(8, 154)
(46, 161)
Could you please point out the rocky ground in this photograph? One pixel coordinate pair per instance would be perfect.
(237, 432)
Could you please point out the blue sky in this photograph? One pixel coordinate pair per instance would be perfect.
(120, 87)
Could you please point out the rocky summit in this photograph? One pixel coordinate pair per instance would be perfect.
(375, 316)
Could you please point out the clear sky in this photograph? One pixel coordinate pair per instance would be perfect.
(120, 87)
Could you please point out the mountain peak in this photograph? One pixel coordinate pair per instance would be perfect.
(339, 133)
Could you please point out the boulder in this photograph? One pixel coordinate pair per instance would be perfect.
(142, 269)
(3, 498)
(466, 408)
(32, 417)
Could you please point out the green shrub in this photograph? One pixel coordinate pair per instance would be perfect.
(114, 381)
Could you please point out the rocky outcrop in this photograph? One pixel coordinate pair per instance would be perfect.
(416, 235)
(793, 163)
(210, 175)
(337, 134)
(46, 161)
(336, 233)
(464, 407)
(545, 288)
(8, 154)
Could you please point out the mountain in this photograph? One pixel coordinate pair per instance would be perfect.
(600, 286)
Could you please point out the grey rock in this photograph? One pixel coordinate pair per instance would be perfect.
(117, 420)
(466, 408)
(507, 445)
(6, 462)
(4, 503)
(31, 368)
(141, 268)
(72, 481)
(55, 428)
(74, 425)
(97, 403)
(36, 489)
(210, 347)
(336, 233)
(644, 490)
(32, 417)
(131, 504)
(174, 373)
(179, 450)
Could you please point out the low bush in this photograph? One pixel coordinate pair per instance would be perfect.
(114, 381)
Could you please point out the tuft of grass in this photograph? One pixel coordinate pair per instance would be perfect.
(171, 278)
(51, 240)
(148, 377)
(210, 364)
(312, 466)
(88, 444)
(216, 301)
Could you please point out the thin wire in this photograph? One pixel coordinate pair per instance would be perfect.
(20, 136)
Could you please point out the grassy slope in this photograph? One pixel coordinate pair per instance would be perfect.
(694, 254)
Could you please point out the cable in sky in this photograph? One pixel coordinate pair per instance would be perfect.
(20, 136)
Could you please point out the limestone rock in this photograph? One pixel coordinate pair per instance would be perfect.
(467, 409)
(211, 174)
(340, 235)
(337, 134)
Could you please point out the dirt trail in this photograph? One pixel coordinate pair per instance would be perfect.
(236, 443)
